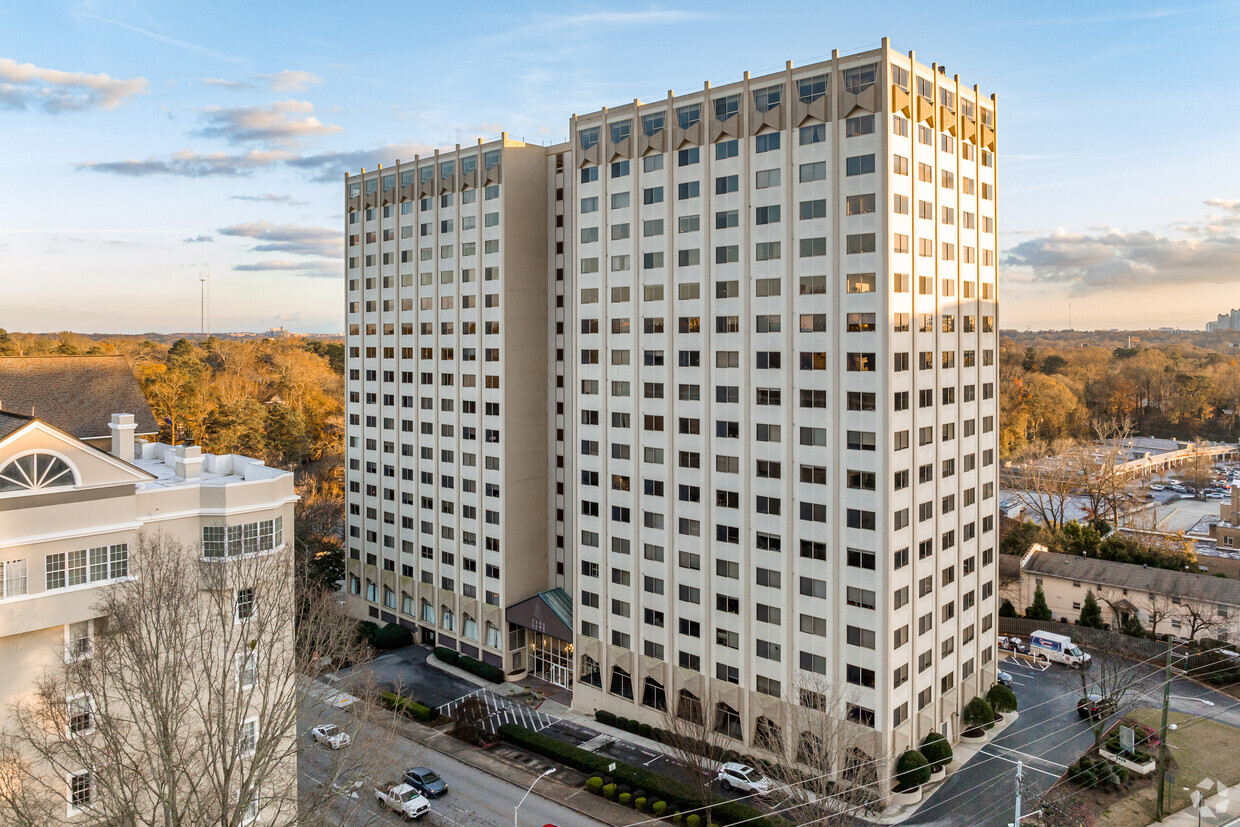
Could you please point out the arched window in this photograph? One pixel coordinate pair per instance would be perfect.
(590, 672)
(35, 471)
(654, 696)
(727, 721)
(767, 735)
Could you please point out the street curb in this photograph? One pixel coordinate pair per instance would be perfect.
(423, 735)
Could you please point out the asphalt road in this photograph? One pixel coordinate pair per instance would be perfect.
(474, 798)
(1047, 737)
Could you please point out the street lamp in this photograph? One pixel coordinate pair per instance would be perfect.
(527, 795)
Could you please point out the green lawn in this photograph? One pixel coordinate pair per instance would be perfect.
(1203, 749)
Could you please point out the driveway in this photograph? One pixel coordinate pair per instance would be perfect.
(1047, 737)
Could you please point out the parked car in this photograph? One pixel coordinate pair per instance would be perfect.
(1094, 706)
(1004, 679)
(735, 776)
(426, 781)
(404, 800)
(1012, 643)
(331, 735)
(1157, 487)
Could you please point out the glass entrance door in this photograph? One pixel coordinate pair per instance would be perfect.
(551, 660)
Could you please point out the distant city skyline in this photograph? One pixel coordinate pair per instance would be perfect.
(151, 144)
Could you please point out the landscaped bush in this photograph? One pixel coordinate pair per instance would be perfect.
(675, 793)
(639, 804)
(694, 820)
(978, 716)
(609, 791)
(912, 770)
(1001, 698)
(633, 726)
(483, 670)
(403, 705)
(626, 798)
(393, 636)
(366, 630)
(645, 730)
(605, 717)
(1137, 755)
(937, 750)
(594, 785)
(659, 808)
(622, 722)
(445, 655)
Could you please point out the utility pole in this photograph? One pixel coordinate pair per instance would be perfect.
(1020, 765)
(204, 322)
(1162, 746)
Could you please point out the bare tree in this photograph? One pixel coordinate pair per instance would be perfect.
(1116, 683)
(1048, 474)
(1200, 620)
(1159, 608)
(699, 729)
(186, 705)
(1098, 464)
(821, 759)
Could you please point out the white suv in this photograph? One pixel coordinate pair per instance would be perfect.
(734, 776)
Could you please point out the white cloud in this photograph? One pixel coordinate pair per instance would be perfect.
(283, 122)
(287, 238)
(1111, 259)
(188, 164)
(311, 269)
(290, 80)
(23, 85)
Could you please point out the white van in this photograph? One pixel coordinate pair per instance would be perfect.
(1057, 648)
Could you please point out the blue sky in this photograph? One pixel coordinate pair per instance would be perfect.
(145, 142)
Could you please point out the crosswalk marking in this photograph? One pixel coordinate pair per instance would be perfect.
(501, 711)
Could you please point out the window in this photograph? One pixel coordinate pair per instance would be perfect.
(81, 791)
(859, 164)
(247, 738)
(243, 603)
(13, 578)
(36, 471)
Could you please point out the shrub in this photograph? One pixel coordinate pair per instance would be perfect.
(622, 722)
(403, 705)
(659, 808)
(1001, 698)
(645, 730)
(445, 655)
(624, 788)
(639, 804)
(366, 630)
(626, 798)
(912, 770)
(594, 784)
(694, 820)
(609, 791)
(483, 670)
(937, 750)
(978, 714)
(605, 717)
(633, 726)
(393, 636)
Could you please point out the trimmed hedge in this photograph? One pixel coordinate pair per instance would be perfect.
(936, 749)
(1001, 698)
(412, 709)
(912, 770)
(483, 670)
(393, 636)
(605, 717)
(675, 793)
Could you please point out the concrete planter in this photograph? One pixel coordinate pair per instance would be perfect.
(937, 774)
(1132, 766)
(907, 798)
(973, 739)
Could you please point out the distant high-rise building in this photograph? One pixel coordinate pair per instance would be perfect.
(770, 421)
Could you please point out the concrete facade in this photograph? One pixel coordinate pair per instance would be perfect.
(769, 333)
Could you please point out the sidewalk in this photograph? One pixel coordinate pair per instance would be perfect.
(598, 810)
(962, 754)
(1223, 805)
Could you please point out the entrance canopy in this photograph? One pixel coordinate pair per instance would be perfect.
(549, 613)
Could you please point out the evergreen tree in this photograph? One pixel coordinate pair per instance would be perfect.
(1091, 613)
(1038, 610)
(1006, 609)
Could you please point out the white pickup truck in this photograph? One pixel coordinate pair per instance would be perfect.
(404, 800)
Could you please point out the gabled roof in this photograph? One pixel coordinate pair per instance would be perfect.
(10, 422)
(77, 394)
(1201, 587)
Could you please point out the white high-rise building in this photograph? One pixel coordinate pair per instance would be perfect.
(770, 317)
